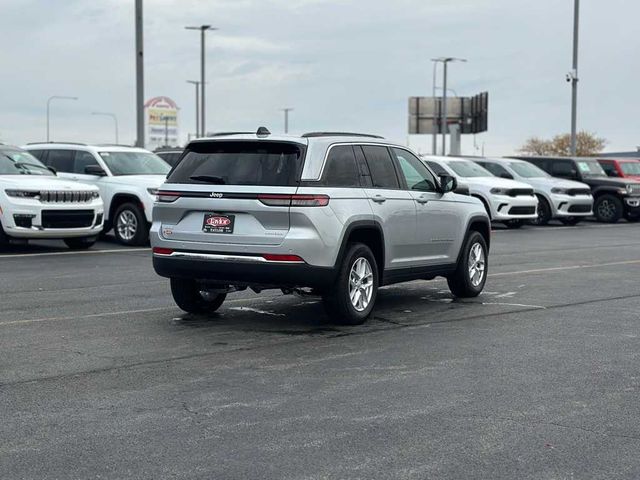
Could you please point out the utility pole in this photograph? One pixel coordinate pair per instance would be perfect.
(574, 78)
(286, 118)
(139, 77)
(197, 84)
(166, 131)
(443, 113)
(434, 131)
(203, 29)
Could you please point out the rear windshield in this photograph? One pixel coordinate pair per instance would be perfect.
(630, 168)
(275, 164)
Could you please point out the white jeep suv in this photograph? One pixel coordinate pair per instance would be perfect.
(506, 201)
(35, 204)
(128, 179)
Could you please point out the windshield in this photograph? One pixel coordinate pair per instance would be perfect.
(590, 168)
(469, 169)
(18, 162)
(240, 163)
(135, 163)
(630, 168)
(527, 170)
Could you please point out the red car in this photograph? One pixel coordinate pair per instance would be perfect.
(621, 167)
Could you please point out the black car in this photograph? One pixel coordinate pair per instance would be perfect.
(613, 198)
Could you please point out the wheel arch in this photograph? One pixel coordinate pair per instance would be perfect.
(119, 199)
(484, 201)
(368, 232)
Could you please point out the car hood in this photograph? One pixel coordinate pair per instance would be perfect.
(493, 182)
(553, 182)
(146, 181)
(43, 182)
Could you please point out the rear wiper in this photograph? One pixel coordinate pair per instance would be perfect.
(208, 178)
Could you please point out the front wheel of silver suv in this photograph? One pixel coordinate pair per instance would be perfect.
(353, 295)
(471, 272)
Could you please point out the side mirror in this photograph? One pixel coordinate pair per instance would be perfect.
(53, 170)
(95, 170)
(462, 190)
(506, 175)
(448, 183)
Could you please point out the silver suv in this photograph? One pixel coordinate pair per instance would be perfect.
(339, 214)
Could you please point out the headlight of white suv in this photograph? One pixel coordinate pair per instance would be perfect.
(559, 191)
(22, 193)
(500, 191)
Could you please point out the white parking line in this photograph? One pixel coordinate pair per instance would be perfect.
(86, 252)
(570, 267)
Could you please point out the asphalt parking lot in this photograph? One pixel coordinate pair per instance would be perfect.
(101, 376)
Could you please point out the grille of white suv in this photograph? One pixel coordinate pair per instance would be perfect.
(55, 196)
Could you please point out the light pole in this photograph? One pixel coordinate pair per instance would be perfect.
(203, 29)
(286, 118)
(434, 130)
(139, 76)
(445, 126)
(115, 121)
(197, 84)
(55, 97)
(574, 77)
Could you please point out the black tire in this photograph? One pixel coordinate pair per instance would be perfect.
(514, 224)
(607, 208)
(81, 243)
(544, 212)
(337, 301)
(460, 282)
(187, 295)
(138, 223)
(571, 221)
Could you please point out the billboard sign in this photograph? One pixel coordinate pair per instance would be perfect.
(470, 113)
(161, 115)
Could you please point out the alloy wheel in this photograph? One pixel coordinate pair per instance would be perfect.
(127, 225)
(361, 284)
(476, 264)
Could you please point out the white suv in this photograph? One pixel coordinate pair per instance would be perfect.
(34, 204)
(506, 201)
(128, 179)
(565, 200)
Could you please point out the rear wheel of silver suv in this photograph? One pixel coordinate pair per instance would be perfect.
(353, 295)
(191, 297)
(471, 272)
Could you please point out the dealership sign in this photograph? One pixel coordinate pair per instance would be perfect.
(161, 115)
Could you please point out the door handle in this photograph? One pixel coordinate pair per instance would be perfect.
(379, 198)
(422, 200)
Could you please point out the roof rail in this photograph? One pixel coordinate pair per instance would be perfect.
(224, 134)
(113, 145)
(338, 134)
(66, 143)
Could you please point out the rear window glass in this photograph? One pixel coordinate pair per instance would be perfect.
(240, 163)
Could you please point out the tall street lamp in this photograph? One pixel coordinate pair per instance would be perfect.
(55, 97)
(445, 127)
(573, 77)
(434, 130)
(286, 118)
(203, 29)
(197, 84)
(115, 121)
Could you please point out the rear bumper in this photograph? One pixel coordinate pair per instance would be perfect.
(243, 272)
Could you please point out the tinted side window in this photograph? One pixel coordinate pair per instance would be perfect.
(82, 160)
(383, 173)
(437, 168)
(341, 169)
(609, 169)
(497, 170)
(61, 160)
(563, 168)
(418, 176)
(39, 154)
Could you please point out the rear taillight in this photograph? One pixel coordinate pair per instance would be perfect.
(302, 200)
(161, 251)
(282, 258)
(167, 197)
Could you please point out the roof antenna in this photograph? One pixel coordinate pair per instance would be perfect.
(263, 132)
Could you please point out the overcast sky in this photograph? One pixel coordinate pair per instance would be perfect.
(341, 64)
